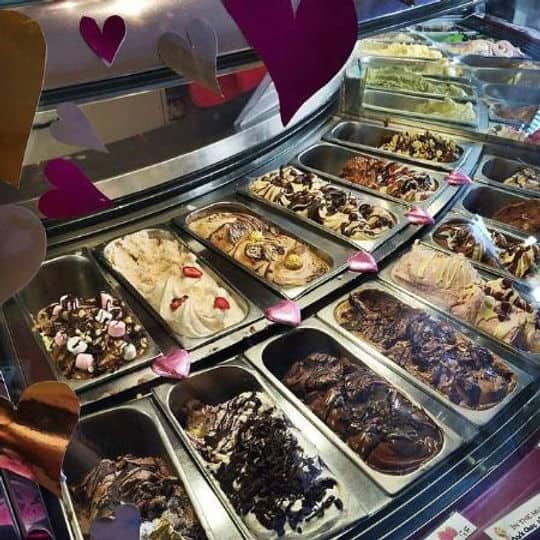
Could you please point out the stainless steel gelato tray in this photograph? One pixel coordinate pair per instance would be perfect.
(328, 160)
(418, 107)
(334, 255)
(512, 94)
(495, 170)
(478, 417)
(397, 212)
(372, 137)
(486, 201)
(460, 220)
(79, 275)
(518, 77)
(477, 61)
(275, 357)
(436, 54)
(219, 385)
(250, 312)
(138, 431)
(386, 276)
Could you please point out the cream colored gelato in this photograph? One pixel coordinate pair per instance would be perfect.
(448, 108)
(169, 277)
(450, 281)
(408, 50)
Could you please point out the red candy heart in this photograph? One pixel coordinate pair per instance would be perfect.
(176, 364)
(302, 51)
(191, 272)
(74, 196)
(221, 303)
(362, 262)
(284, 312)
(105, 44)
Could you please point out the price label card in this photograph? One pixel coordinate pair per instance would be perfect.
(519, 524)
(456, 527)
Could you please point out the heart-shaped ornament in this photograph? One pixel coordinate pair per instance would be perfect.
(193, 57)
(301, 51)
(176, 364)
(285, 312)
(22, 57)
(363, 263)
(74, 128)
(105, 44)
(16, 466)
(418, 216)
(38, 430)
(458, 178)
(125, 525)
(294, 5)
(74, 196)
(22, 249)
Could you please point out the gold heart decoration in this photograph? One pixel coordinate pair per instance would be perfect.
(22, 64)
(37, 432)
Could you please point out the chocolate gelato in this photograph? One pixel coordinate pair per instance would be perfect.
(381, 425)
(165, 507)
(432, 351)
(427, 145)
(391, 178)
(335, 209)
(91, 336)
(522, 215)
(273, 483)
(520, 258)
(522, 114)
(263, 248)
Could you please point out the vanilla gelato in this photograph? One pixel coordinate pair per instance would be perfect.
(170, 278)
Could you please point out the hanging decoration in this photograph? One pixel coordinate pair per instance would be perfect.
(285, 312)
(22, 61)
(107, 42)
(193, 57)
(74, 194)
(301, 51)
(363, 263)
(74, 128)
(176, 364)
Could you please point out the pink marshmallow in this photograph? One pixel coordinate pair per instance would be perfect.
(116, 329)
(60, 338)
(85, 362)
(106, 300)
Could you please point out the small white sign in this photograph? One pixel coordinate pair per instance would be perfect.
(519, 524)
(456, 527)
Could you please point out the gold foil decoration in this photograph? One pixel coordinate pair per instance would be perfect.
(22, 64)
(39, 429)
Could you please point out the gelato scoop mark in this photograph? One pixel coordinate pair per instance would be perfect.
(146, 482)
(381, 425)
(335, 209)
(451, 282)
(390, 178)
(273, 482)
(170, 278)
(86, 340)
(266, 250)
(519, 257)
(427, 145)
(432, 351)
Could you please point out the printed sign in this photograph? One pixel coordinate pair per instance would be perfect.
(456, 527)
(519, 524)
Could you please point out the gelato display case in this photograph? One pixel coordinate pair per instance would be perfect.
(355, 294)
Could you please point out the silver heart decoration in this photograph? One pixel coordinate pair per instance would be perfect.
(74, 128)
(195, 56)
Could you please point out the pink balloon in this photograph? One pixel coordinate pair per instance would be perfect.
(74, 196)
(22, 249)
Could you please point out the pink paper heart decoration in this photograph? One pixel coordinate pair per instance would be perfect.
(363, 263)
(22, 249)
(105, 44)
(284, 312)
(74, 195)
(16, 466)
(195, 57)
(295, 4)
(418, 216)
(458, 178)
(302, 52)
(125, 525)
(73, 127)
(176, 364)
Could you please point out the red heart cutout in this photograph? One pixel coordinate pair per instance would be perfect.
(284, 312)
(302, 52)
(74, 196)
(175, 364)
(363, 263)
(418, 216)
(106, 43)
